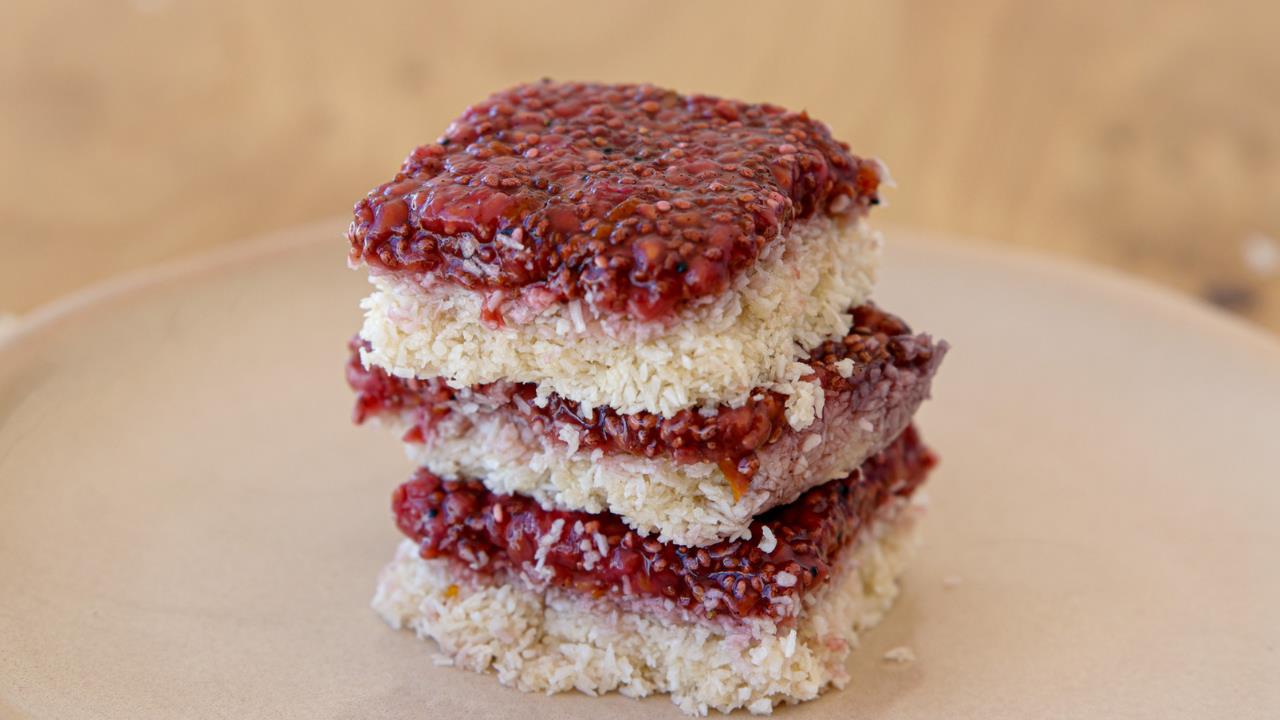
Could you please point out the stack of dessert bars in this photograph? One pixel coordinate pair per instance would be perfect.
(662, 437)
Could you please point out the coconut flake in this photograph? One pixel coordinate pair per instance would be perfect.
(570, 437)
(767, 541)
(845, 367)
(901, 655)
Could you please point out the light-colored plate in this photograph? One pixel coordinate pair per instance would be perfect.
(190, 526)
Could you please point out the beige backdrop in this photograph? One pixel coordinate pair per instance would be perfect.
(1143, 135)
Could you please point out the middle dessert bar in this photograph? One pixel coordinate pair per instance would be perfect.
(696, 477)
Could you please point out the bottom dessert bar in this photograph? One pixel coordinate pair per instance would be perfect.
(554, 600)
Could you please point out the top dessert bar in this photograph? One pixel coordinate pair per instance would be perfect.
(635, 200)
(619, 245)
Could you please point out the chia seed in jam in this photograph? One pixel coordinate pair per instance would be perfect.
(731, 437)
(499, 535)
(632, 198)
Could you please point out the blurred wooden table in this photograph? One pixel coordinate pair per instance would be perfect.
(1141, 135)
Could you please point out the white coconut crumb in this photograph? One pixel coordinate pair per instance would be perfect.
(553, 534)
(575, 314)
(570, 437)
(512, 240)
(767, 541)
(901, 655)
(805, 399)
(789, 645)
(866, 425)
(811, 441)
(845, 367)
(544, 545)
(951, 581)
(785, 579)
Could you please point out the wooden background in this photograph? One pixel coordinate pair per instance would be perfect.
(1140, 135)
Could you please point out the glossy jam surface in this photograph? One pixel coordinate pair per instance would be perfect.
(597, 554)
(731, 437)
(632, 198)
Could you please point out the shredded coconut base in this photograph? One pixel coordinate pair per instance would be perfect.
(796, 296)
(555, 641)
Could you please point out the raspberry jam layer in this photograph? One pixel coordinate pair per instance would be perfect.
(500, 535)
(632, 198)
(880, 345)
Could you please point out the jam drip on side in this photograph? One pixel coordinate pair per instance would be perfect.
(631, 198)
(495, 535)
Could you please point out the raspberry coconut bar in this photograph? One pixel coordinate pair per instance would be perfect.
(663, 438)
(619, 245)
(694, 478)
(556, 600)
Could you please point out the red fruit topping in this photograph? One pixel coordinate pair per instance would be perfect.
(632, 198)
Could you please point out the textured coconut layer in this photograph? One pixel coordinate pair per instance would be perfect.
(554, 640)
(797, 295)
(684, 503)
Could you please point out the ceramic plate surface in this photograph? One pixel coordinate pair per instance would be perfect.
(190, 526)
